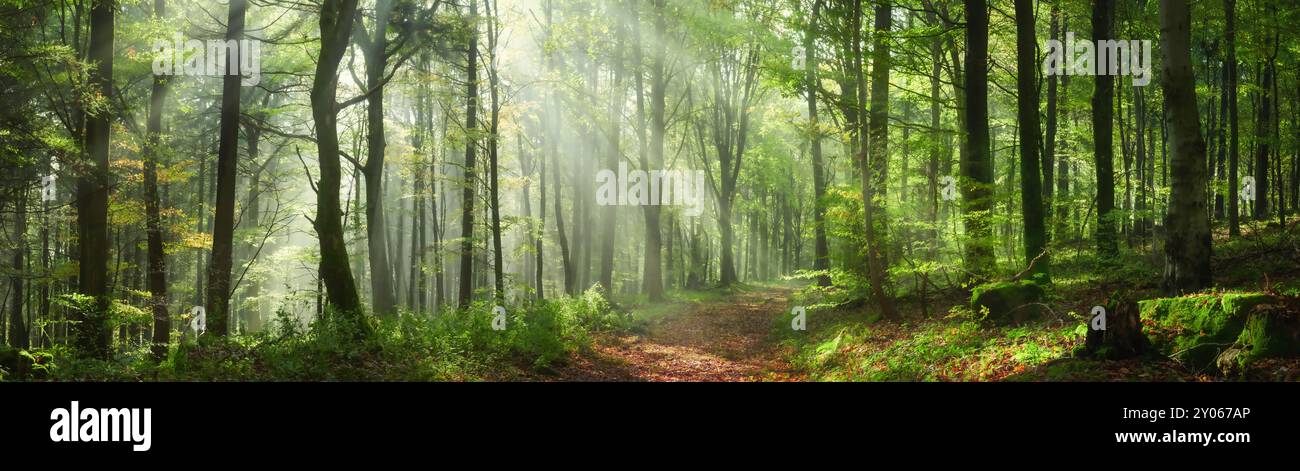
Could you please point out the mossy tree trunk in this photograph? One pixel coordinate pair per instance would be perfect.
(336, 24)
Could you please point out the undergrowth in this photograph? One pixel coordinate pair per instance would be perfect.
(455, 345)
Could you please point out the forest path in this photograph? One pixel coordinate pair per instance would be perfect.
(728, 339)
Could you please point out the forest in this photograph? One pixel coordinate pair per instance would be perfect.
(649, 190)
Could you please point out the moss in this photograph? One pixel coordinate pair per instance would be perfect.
(1197, 327)
(1008, 302)
(1270, 333)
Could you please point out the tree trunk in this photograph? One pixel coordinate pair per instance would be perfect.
(382, 287)
(1230, 33)
(552, 145)
(1031, 179)
(1187, 243)
(336, 24)
(498, 269)
(223, 230)
(821, 249)
(17, 328)
(539, 231)
(1262, 125)
(1103, 99)
(652, 278)
(610, 212)
(157, 260)
(875, 170)
(977, 166)
(91, 333)
(467, 193)
(1049, 140)
(253, 219)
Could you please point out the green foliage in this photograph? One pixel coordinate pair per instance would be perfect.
(933, 350)
(457, 345)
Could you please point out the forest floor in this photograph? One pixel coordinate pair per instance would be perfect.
(719, 337)
(744, 333)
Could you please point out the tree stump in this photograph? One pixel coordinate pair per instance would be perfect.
(1122, 336)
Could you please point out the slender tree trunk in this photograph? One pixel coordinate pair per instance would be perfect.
(17, 328)
(1103, 99)
(552, 145)
(1125, 149)
(653, 265)
(1049, 141)
(223, 230)
(1262, 125)
(374, 51)
(609, 214)
(1230, 33)
(821, 249)
(252, 218)
(1031, 183)
(533, 238)
(157, 261)
(498, 268)
(1062, 194)
(467, 193)
(437, 198)
(1140, 111)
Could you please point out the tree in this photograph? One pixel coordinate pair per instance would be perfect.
(733, 75)
(652, 278)
(223, 231)
(18, 328)
(613, 153)
(1049, 140)
(91, 332)
(1031, 180)
(1187, 238)
(875, 160)
(467, 192)
(1262, 124)
(1230, 71)
(821, 250)
(375, 51)
(336, 23)
(553, 128)
(1103, 132)
(976, 164)
(156, 259)
(494, 126)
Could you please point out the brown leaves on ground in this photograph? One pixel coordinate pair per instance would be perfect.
(728, 340)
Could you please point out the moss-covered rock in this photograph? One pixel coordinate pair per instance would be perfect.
(1008, 302)
(1198, 328)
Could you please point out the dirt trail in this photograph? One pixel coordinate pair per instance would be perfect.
(725, 340)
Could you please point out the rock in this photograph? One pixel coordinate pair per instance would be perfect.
(1231, 362)
(1008, 302)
